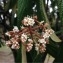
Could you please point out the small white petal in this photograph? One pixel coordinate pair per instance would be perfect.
(28, 21)
(2, 16)
(23, 37)
(41, 40)
(7, 33)
(15, 29)
(30, 40)
(15, 15)
(10, 10)
(41, 22)
(13, 46)
(36, 48)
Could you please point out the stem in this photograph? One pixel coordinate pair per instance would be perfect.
(24, 60)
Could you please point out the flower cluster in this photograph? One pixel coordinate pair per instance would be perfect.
(33, 33)
(28, 21)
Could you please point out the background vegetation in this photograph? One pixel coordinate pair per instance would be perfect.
(51, 11)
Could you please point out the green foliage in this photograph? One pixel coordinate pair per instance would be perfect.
(10, 4)
(39, 58)
(24, 9)
(60, 8)
(18, 58)
(39, 10)
(52, 48)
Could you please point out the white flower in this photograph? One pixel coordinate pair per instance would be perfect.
(16, 43)
(15, 29)
(8, 34)
(29, 46)
(31, 21)
(41, 41)
(30, 40)
(43, 45)
(37, 44)
(8, 43)
(46, 35)
(41, 22)
(36, 47)
(22, 27)
(15, 46)
(50, 31)
(13, 40)
(28, 21)
(23, 37)
(25, 21)
(28, 49)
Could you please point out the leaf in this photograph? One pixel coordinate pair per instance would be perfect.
(39, 58)
(52, 48)
(33, 53)
(49, 59)
(22, 6)
(55, 38)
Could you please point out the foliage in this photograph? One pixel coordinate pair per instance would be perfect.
(60, 8)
